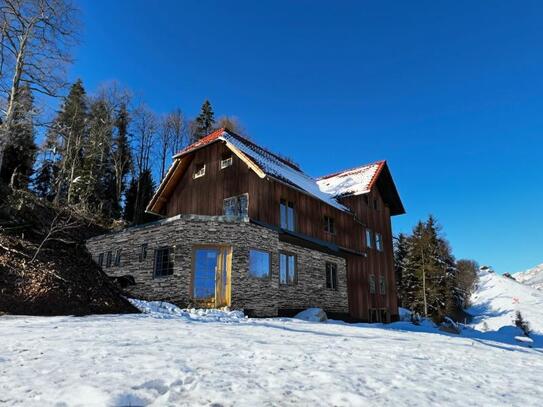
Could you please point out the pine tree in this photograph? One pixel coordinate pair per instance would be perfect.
(122, 157)
(69, 134)
(204, 122)
(138, 196)
(401, 249)
(20, 152)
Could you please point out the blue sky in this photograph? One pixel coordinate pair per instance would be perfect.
(449, 92)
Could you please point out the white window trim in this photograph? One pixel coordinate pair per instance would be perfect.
(201, 173)
(227, 162)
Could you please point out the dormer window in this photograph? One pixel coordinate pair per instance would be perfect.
(200, 171)
(226, 162)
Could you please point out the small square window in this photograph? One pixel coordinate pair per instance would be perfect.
(369, 238)
(287, 269)
(109, 259)
(372, 284)
(379, 242)
(226, 162)
(117, 258)
(331, 276)
(200, 170)
(163, 262)
(259, 264)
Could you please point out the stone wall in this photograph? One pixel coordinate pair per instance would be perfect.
(257, 296)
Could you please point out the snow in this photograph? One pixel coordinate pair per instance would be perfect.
(532, 277)
(312, 315)
(497, 298)
(174, 357)
(356, 181)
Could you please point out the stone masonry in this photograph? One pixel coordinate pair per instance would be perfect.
(259, 297)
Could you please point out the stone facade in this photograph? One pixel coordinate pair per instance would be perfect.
(259, 297)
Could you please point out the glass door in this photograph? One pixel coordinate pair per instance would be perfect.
(211, 277)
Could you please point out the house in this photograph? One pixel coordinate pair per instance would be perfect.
(246, 228)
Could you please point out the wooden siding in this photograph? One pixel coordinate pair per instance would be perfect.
(205, 195)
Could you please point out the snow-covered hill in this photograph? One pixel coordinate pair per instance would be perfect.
(497, 298)
(532, 277)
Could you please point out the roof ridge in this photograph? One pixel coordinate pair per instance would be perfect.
(335, 174)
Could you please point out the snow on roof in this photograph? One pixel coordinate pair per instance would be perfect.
(355, 181)
(327, 189)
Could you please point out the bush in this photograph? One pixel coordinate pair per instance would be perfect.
(521, 323)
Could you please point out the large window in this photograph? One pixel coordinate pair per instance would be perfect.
(382, 285)
(329, 225)
(331, 276)
(163, 261)
(101, 259)
(236, 206)
(287, 215)
(372, 284)
(287, 269)
(369, 238)
(379, 242)
(259, 264)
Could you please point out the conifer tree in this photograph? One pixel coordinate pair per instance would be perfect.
(20, 151)
(138, 196)
(204, 122)
(400, 258)
(122, 157)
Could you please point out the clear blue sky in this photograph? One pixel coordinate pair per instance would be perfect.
(449, 92)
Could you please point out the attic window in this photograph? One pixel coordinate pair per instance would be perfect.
(376, 204)
(329, 226)
(226, 162)
(200, 171)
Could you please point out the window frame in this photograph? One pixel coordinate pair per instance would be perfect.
(101, 259)
(382, 285)
(331, 269)
(171, 261)
(269, 274)
(288, 256)
(329, 225)
(289, 215)
(243, 210)
(117, 260)
(226, 162)
(369, 238)
(372, 284)
(378, 242)
(199, 171)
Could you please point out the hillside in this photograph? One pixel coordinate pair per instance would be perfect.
(58, 278)
(497, 298)
(532, 277)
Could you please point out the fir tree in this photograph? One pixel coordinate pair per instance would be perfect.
(204, 122)
(20, 152)
(400, 258)
(122, 157)
(138, 196)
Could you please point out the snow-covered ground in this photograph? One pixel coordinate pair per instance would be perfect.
(174, 357)
(532, 277)
(497, 299)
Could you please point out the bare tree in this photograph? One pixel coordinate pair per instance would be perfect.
(61, 223)
(231, 123)
(145, 126)
(35, 39)
(172, 136)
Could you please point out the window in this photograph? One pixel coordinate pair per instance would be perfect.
(372, 284)
(108, 259)
(117, 258)
(376, 204)
(378, 315)
(329, 226)
(382, 285)
(200, 171)
(163, 262)
(259, 264)
(379, 242)
(331, 276)
(287, 215)
(369, 240)
(226, 162)
(143, 252)
(101, 259)
(237, 206)
(287, 269)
